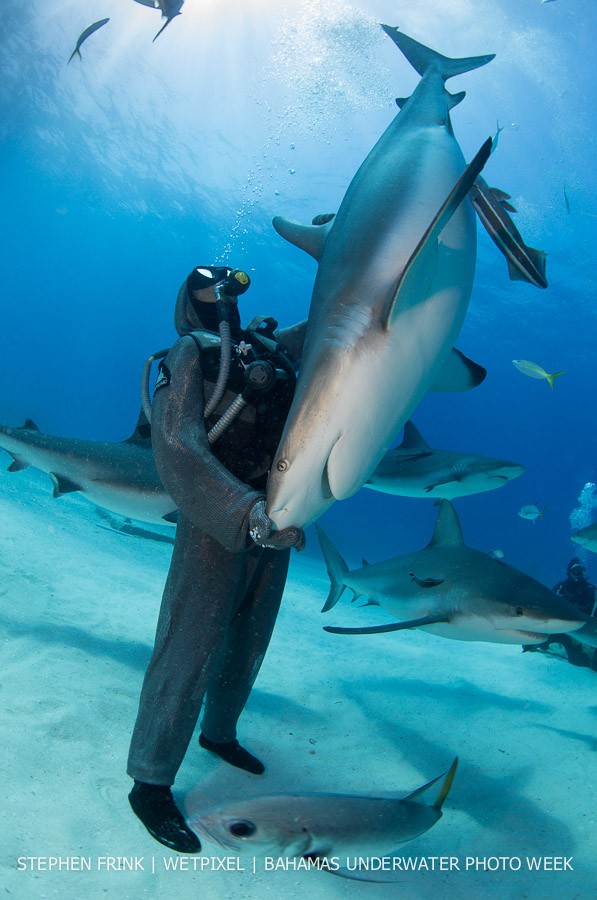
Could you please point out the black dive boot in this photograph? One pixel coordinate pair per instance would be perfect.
(155, 806)
(232, 752)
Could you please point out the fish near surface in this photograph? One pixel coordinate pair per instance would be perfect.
(396, 267)
(414, 469)
(319, 827)
(121, 477)
(453, 591)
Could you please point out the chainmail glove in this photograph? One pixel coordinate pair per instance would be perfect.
(262, 531)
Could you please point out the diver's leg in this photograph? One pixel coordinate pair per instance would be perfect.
(246, 643)
(196, 608)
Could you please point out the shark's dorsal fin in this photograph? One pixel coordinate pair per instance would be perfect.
(412, 439)
(423, 261)
(310, 238)
(458, 373)
(142, 432)
(447, 527)
(394, 626)
(63, 485)
(30, 425)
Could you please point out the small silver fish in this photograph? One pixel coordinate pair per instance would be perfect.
(533, 370)
(531, 511)
(84, 35)
(318, 827)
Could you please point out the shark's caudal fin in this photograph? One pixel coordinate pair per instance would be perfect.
(447, 527)
(336, 567)
(423, 58)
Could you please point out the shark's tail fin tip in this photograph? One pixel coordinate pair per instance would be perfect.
(423, 58)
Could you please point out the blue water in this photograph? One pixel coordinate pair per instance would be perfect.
(121, 171)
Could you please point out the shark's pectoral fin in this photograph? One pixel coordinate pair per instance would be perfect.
(421, 264)
(171, 517)
(383, 629)
(63, 485)
(458, 373)
(17, 465)
(310, 238)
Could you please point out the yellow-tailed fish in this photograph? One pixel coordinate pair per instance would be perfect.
(535, 371)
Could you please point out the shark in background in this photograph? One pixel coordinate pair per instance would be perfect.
(587, 537)
(453, 591)
(414, 469)
(396, 268)
(121, 477)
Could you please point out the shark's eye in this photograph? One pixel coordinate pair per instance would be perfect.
(518, 611)
(242, 828)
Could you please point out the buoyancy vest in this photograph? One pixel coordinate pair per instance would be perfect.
(247, 447)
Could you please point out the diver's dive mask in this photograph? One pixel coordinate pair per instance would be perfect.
(224, 280)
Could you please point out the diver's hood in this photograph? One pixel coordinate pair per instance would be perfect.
(575, 561)
(186, 319)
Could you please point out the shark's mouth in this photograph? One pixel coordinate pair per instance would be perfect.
(532, 636)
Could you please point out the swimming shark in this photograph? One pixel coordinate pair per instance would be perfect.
(396, 267)
(323, 828)
(453, 591)
(587, 537)
(121, 477)
(414, 469)
(169, 9)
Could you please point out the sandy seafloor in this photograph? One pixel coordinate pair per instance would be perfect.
(328, 713)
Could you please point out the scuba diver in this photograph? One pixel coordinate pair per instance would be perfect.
(578, 591)
(219, 408)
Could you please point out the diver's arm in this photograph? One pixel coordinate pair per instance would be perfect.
(205, 491)
(292, 339)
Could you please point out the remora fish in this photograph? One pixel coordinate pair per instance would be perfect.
(396, 267)
(453, 591)
(84, 35)
(414, 469)
(524, 263)
(319, 827)
(169, 9)
(587, 537)
(535, 371)
(121, 477)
